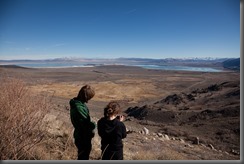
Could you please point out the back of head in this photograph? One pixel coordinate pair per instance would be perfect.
(112, 108)
(86, 93)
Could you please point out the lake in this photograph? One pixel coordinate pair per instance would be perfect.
(181, 68)
(82, 64)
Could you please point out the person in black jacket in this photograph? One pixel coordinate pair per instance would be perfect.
(112, 130)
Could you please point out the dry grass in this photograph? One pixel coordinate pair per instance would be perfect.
(126, 89)
(56, 148)
(21, 113)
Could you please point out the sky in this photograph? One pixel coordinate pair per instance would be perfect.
(45, 29)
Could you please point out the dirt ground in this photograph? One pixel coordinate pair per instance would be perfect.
(137, 87)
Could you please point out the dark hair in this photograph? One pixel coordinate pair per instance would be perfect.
(86, 93)
(112, 108)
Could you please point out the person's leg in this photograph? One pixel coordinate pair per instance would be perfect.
(84, 149)
(117, 155)
(87, 150)
(106, 155)
(112, 155)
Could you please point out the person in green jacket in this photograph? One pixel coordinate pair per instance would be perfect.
(80, 118)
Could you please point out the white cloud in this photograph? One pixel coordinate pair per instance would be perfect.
(130, 11)
(8, 42)
(58, 45)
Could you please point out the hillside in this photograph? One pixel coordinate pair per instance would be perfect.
(211, 113)
(171, 115)
(233, 64)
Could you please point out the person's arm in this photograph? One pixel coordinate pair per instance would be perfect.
(99, 128)
(123, 130)
(85, 117)
(83, 113)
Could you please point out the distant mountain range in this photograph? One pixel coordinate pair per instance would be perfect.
(227, 63)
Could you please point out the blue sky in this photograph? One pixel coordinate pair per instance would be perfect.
(41, 29)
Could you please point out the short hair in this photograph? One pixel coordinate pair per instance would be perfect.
(86, 93)
(112, 108)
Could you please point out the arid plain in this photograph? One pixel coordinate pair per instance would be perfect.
(189, 115)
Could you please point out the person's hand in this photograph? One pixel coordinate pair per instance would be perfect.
(121, 118)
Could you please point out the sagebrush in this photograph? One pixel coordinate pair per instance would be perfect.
(21, 114)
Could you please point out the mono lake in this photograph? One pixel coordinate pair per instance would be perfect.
(81, 64)
(180, 68)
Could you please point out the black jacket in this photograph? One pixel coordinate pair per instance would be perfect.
(111, 132)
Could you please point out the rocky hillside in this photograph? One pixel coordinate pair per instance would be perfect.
(212, 114)
(233, 64)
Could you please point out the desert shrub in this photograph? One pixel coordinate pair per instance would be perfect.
(21, 114)
(56, 148)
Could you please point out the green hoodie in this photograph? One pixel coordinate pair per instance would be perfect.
(80, 118)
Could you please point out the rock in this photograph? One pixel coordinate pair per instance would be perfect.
(52, 125)
(226, 152)
(145, 130)
(160, 134)
(235, 152)
(182, 141)
(166, 137)
(188, 145)
(196, 141)
(203, 145)
(128, 131)
(211, 146)
(161, 139)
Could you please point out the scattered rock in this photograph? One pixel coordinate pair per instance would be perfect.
(160, 134)
(182, 141)
(203, 145)
(196, 141)
(211, 146)
(188, 145)
(166, 137)
(226, 152)
(145, 130)
(235, 152)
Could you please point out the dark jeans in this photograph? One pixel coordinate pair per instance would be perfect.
(84, 148)
(112, 155)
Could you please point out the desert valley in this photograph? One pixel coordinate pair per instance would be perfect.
(170, 115)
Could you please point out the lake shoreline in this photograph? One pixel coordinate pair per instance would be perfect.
(170, 67)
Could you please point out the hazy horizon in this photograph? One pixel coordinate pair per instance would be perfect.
(101, 58)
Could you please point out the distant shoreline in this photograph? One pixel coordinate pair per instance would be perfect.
(155, 67)
(194, 64)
